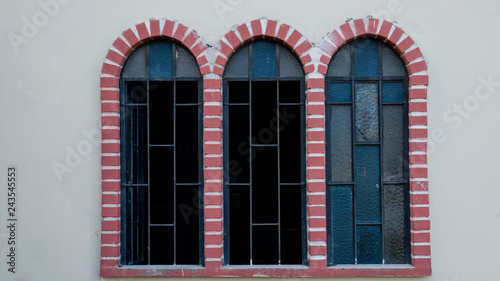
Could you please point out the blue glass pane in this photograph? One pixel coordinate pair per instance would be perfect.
(367, 112)
(160, 59)
(369, 245)
(392, 91)
(342, 225)
(365, 58)
(264, 59)
(340, 92)
(367, 176)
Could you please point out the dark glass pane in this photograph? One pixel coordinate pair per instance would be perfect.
(239, 146)
(136, 162)
(161, 112)
(367, 169)
(393, 161)
(291, 224)
(289, 91)
(289, 64)
(162, 245)
(239, 225)
(340, 92)
(367, 112)
(186, 146)
(265, 244)
(237, 66)
(239, 91)
(341, 62)
(341, 143)
(290, 144)
(136, 224)
(342, 225)
(392, 65)
(162, 185)
(186, 65)
(365, 57)
(160, 59)
(137, 92)
(265, 185)
(369, 244)
(135, 65)
(186, 92)
(187, 225)
(392, 91)
(394, 224)
(264, 59)
(264, 107)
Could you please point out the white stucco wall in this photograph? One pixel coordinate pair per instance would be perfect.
(50, 95)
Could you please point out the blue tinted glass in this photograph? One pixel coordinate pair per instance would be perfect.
(367, 112)
(367, 176)
(264, 59)
(369, 246)
(340, 92)
(160, 59)
(365, 57)
(342, 225)
(392, 91)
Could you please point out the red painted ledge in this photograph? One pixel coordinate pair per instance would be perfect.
(297, 271)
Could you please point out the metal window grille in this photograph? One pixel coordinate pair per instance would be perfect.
(161, 152)
(264, 186)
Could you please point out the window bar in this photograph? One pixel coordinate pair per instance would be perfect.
(174, 153)
(201, 236)
(406, 169)
(250, 70)
(353, 153)
(149, 162)
(278, 154)
(381, 152)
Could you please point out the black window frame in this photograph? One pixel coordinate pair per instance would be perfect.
(126, 252)
(226, 140)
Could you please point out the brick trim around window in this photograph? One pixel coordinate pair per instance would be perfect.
(315, 60)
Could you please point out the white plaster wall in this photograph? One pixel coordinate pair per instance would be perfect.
(50, 94)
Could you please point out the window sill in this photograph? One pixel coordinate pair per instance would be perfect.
(267, 271)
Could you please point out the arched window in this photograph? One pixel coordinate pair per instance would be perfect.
(264, 179)
(161, 179)
(367, 155)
